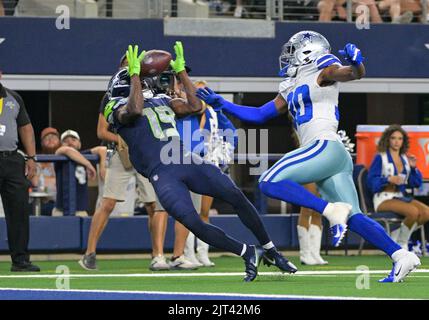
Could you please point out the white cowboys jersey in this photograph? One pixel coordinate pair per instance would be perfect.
(313, 108)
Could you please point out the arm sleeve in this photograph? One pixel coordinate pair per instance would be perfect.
(257, 115)
(23, 118)
(416, 179)
(375, 181)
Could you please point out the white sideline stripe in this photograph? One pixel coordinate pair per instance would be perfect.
(294, 158)
(203, 274)
(211, 294)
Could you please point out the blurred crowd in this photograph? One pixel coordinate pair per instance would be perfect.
(395, 11)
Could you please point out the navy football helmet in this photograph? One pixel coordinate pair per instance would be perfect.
(120, 84)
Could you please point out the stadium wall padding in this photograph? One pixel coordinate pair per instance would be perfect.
(49, 234)
(131, 234)
(94, 47)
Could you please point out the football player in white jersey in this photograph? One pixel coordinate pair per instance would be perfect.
(310, 94)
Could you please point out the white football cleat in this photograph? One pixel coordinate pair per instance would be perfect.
(407, 263)
(337, 214)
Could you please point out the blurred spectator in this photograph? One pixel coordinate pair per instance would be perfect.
(70, 147)
(391, 173)
(44, 180)
(1, 9)
(395, 10)
(219, 6)
(225, 7)
(9, 6)
(330, 8)
(238, 12)
(413, 6)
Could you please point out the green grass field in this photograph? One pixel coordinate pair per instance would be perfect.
(324, 281)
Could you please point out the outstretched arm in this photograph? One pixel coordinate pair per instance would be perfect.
(257, 115)
(135, 100)
(192, 104)
(335, 73)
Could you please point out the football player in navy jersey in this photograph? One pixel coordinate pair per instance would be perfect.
(147, 124)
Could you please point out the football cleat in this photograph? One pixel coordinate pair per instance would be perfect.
(337, 213)
(402, 268)
(389, 278)
(338, 232)
(274, 258)
(252, 263)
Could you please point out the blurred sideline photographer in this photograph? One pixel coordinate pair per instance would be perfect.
(14, 172)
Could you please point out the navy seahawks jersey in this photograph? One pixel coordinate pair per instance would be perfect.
(152, 139)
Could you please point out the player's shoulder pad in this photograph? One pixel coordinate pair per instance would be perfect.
(327, 60)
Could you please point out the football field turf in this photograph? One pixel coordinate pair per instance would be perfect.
(131, 279)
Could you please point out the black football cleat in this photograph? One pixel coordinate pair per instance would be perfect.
(252, 263)
(274, 258)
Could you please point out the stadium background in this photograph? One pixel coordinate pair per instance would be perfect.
(61, 74)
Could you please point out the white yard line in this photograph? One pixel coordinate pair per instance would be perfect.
(202, 274)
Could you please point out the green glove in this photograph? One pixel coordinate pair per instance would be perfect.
(178, 65)
(134, 60)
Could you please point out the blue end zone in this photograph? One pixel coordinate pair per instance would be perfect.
(34, 294)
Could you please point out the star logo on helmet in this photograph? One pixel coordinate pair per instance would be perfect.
(307, 36)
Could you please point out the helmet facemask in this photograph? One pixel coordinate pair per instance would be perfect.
(301, 49)
(287, 61)
(162, 83)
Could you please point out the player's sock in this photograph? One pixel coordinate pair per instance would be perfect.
(268, 246)
(211, 234)
(372, 232)
(292, 192)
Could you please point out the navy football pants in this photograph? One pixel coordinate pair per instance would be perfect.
(172, 184)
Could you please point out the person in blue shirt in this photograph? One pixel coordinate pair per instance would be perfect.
(148, 127)
(391, 173)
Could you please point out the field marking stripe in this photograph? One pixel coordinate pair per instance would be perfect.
(211, 294)
(195, 274)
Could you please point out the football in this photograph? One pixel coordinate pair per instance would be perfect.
(154, 63)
